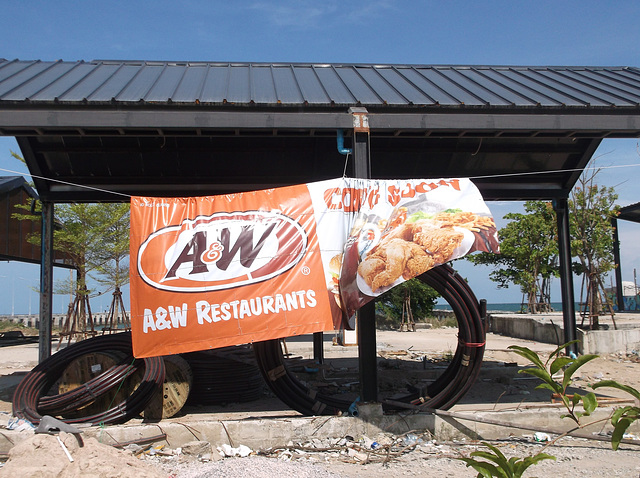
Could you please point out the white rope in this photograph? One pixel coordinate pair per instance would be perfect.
(505, 175)
(66, 183)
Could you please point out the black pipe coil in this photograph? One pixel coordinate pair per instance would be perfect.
(225, 375)
(79, 397)
(443, 393)
(30, 402)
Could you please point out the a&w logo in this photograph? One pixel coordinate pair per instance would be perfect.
(221, 251)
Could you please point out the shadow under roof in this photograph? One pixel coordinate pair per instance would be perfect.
(103, 130)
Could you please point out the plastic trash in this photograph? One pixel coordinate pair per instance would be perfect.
(411, 439)
(20, 425)
(541, 437)
(241, 451)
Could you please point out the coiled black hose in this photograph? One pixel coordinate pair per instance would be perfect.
(30, 403)
(443, 393)
(79, 397)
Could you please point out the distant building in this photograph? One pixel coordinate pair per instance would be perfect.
(630, 295)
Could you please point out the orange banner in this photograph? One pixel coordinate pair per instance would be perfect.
(214, 271)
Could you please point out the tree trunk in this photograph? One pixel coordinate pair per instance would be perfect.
(594, 303)
(81, 291)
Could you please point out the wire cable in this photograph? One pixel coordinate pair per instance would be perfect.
(30, 402)
(443, 393)
(486, 176)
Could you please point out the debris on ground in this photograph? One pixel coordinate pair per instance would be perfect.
(411, 454)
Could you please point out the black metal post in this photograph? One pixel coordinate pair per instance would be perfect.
(366, 320)
(561, 206)
(318, 347)
(616, 260)
(367, 353)
(46, 282)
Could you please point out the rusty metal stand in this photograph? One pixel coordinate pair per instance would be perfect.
(79, 309)
(111, 321)
(407, 324)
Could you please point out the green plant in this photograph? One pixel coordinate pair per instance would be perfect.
(497, 464)
(554, 364)
(512, 468)
(622, 417)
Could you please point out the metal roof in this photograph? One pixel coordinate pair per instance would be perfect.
(630, 212)
(13, 183)
(15, 233)
(329, 85)
(197, 128)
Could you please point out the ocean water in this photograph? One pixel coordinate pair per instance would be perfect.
(507, 307)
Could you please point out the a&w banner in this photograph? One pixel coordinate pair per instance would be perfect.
(215, 271)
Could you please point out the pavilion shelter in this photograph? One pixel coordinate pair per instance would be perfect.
(104, 130)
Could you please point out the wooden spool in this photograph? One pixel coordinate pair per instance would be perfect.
(164, 404)
(88, 366)
(178, 381)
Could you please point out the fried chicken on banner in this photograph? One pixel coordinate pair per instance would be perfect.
(215, 271)
(402, 237)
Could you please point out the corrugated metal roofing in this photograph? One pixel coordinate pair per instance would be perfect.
(325, 85)
(15, 233)
(11, 183)
(630, 213)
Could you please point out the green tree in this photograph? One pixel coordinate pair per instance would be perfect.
(112, 252)
(591, 209)
(422, 299)
(528, 254)
(93, 237)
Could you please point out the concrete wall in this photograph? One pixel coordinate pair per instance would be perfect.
(549, 330)
(99, 320)
(443, 314)
(608, 341)
(540, 329)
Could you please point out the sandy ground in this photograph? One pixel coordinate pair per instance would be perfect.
(499, 387)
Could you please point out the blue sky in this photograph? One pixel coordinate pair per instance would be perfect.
(592, 33)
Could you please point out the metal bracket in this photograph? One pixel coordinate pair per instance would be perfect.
(360, 119)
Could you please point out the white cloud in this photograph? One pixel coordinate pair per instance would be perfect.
(305, 14)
